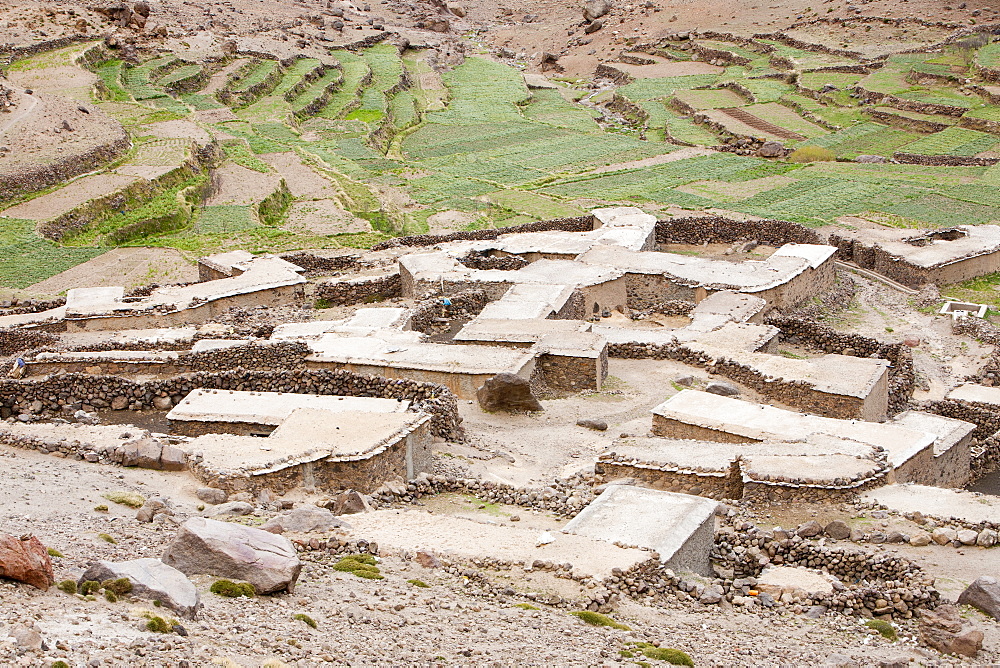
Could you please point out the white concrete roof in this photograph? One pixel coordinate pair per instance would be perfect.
(976, 393)
(762, 422)
(814, 254)
(623, 216)
(936, 252)
(518, 330)
(938, 501)
(948, 431)
(421, 356)
(271, 408)
(661, 521)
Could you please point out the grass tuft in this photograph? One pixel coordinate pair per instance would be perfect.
(597, 619)
(53, 552)
(231, 589)
(130, 499)
(306, 619)
(885, 629)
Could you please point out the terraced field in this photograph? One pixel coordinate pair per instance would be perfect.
(383, 136)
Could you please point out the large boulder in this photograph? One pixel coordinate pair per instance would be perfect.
(771, 149)
(346, 502)
(25, 559)
(265, 560)
(983, 594)
(151, 579)
(595, 9)
(303, 520)
(507, 392)
(944, 630)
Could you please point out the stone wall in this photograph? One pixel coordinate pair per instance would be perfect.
(14, 341)
(718, 229)
(985, 449)
(316, 265)
(797, 394)
(464, 306)
(483, 260)
(54, 392)
(364, 290)
(577, 224)
(943, 160)
(826, 339)
(671, 479)
(986, 332)
(572, 374)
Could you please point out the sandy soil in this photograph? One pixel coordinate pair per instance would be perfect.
(301, 179)
(129, 267)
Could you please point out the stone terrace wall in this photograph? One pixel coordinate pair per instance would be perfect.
(316, 265)
(877, 259)
(827, 339)
(943, 160)
(56, 391)
(481, 260)
(717, 229)
(577, 224)
(360, 290)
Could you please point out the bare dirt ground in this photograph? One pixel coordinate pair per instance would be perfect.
(69, 197)
(129, 267)
(233, 184)
(323, 217)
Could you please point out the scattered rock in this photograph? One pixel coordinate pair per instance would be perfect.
(151, 508)
(427, 559)
(303, 520)
(265, 560)
(25, 559)
(507, 392)
(597, 425)
(722, 388)
(967, 537)
(983, 594)
(456, 9)
(685, 380)
(595, 9)
(231, 508)
(987, 538)
(771, 149)
(871, 159)
(212, 495)
(593, 27)
(151, 579)
(943, 535)
(347, 502)
(838, 530)
(920, 539)
(26, 636)
(809, 529)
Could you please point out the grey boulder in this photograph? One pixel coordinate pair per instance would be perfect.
(983, 594)
(303, 520)
(722, 388)
(151, 579)
(210, 547)
(507, 392)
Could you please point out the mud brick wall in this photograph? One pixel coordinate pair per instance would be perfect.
(717, 229)
(577, 224)
(54, 392)
(360, 290)
(822, 337)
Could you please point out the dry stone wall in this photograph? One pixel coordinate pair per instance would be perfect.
(718, 229)
(360, 290)
(577, 224)
(53, 392)
(432, 316)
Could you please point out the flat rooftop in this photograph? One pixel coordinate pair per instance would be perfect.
(748, 276)
(661, 521)
(979, 394)
(968, 506)
(271, 408)
(932, 248)
(948, 431)
(440, 357)
(518, 330)
(306, 435)
(761, 422)
(730, 336)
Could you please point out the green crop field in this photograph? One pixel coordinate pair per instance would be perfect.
(475, 139)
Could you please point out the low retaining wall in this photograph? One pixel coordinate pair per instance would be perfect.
(363, 290)
(54, 392)
(822, 337)
(718, 229)
(464, 306)
(576, 224)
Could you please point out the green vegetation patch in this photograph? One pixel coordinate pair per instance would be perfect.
(359, 565)
(230, 589)
(885, 629)
(597, 619)
(953, 141)
(130, 499)
(225, 219)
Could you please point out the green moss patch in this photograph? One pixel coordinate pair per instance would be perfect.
(597, 619)
(231, 589)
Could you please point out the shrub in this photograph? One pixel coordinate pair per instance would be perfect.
(231, 589)
(812, 154)
(130, 499)
(306, 619)
(360, 565)
(597, 619)
(60, 664)
(159, 624)
(885, 629)
(670, 655)
(53, 552)
(525, 606)
(121, 586)
(89, 587)
(68, 586)
(110, 596)
(101, 508)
